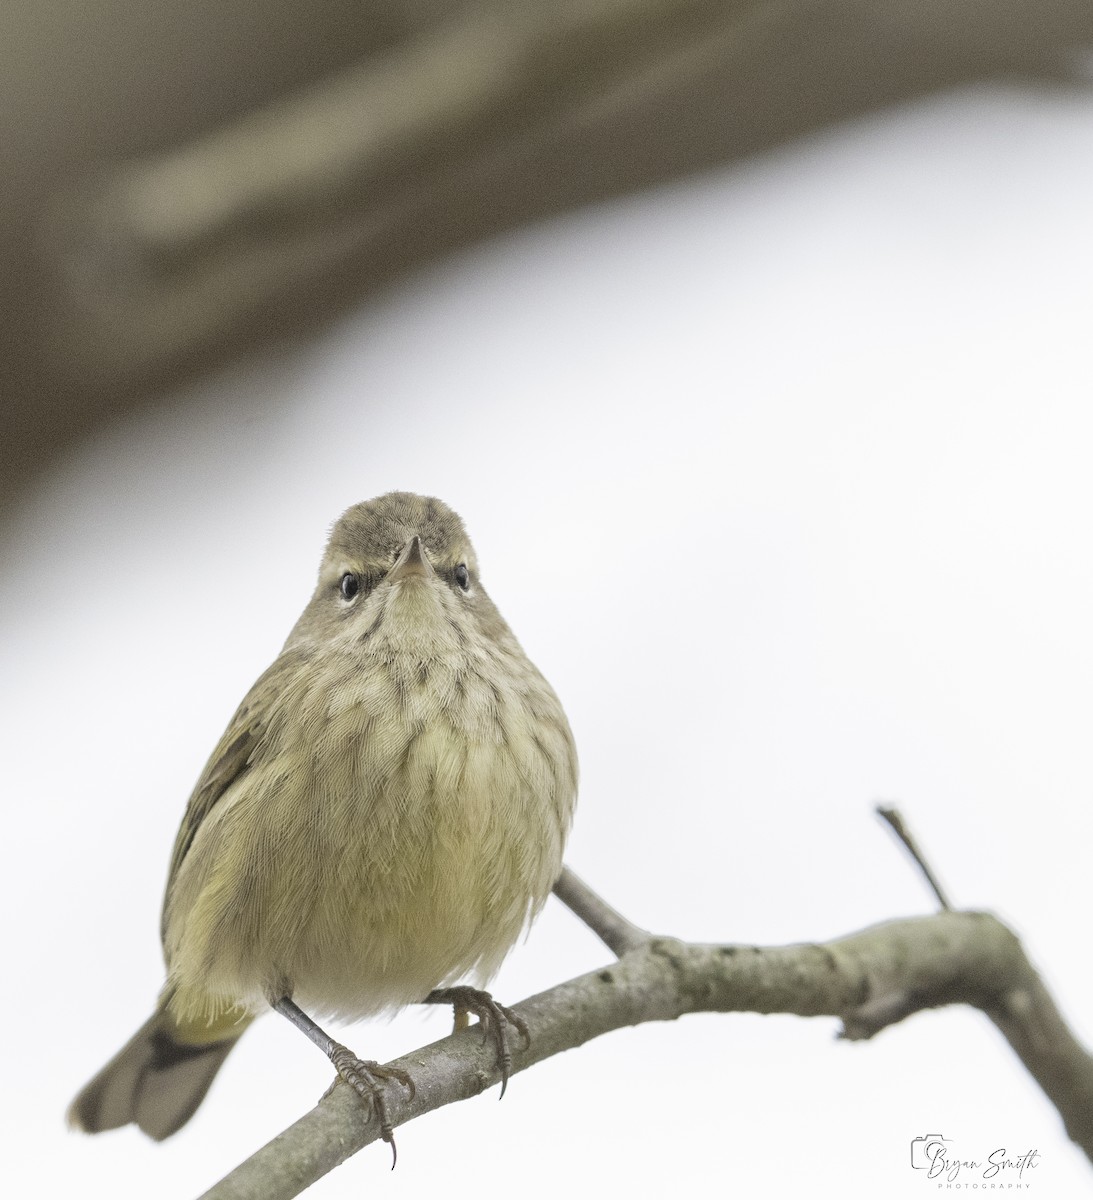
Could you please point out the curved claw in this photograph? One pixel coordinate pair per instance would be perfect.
(518, 1023)
(493, 1018)
(365, 1077)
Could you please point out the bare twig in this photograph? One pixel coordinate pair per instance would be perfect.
(611, 927)
(896, 823)
(869, 979)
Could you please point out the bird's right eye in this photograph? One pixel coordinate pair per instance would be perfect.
(350, 585)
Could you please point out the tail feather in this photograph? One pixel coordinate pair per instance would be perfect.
(155, 1081)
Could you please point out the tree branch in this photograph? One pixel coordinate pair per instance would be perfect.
(894, 819)
(870, 980)
(491, 113)
(171, 248)
(494, 68)
(611, 927)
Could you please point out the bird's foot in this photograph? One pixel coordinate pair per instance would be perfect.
(367, 1079)
(494, 1019)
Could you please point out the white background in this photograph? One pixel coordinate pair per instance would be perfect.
(782, 476)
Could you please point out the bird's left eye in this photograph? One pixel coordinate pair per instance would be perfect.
(463, 576)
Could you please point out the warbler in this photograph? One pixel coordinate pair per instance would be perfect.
(384, 815)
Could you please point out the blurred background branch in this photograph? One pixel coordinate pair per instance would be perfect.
(184, 182)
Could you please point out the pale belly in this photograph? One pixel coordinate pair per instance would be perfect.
(354, 893)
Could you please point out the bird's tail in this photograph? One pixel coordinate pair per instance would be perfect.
(158, 1078)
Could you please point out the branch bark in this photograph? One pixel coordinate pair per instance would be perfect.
(869, 980)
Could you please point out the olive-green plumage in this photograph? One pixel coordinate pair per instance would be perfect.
(384, 814)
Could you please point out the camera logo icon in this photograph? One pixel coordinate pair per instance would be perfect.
(925, 1149)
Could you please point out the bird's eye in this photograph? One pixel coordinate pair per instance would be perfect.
(349, 586)
(463, 576)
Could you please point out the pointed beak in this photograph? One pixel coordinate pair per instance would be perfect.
(412, 561)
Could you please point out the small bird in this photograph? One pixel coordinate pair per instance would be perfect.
(384, 815)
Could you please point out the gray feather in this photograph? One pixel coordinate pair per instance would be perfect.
(154, 1081)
